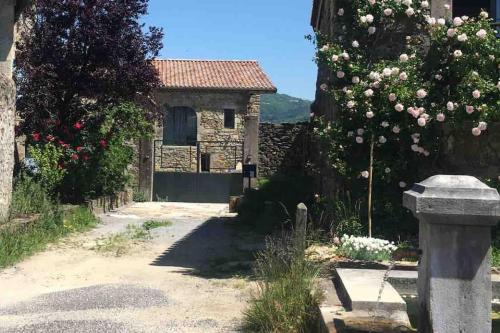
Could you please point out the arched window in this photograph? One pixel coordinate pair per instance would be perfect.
(180, 127)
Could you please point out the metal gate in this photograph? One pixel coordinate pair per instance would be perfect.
(208, 172)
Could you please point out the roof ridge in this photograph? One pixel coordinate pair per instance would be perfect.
(204, 60)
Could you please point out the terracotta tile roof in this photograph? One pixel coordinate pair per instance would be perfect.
(213, 74)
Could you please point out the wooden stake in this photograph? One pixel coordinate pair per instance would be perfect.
(370, 187)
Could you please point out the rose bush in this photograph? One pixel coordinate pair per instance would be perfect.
(398, 76)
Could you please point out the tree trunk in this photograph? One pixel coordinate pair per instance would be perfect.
(7, 121)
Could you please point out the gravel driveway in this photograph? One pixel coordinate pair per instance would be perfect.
(191, 276)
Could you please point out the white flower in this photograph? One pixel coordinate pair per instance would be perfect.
(387, 170)
(430, 20)
(341, 12)
(440, 117)
(476, 131)
(384, 124)
(457, 53)
(369, 18)
(483, 126)
(382, 139)
(446, 6)
(425, 4)
(372, 2)
(421, 93)
(368, 93)
(355, 79)
(498, 85)
(370, 114)
(469, 109)
(323, 87)
(403, 76)
(422, 121)
(438, 77)
(457, 21)
(402, 184)
(399, 107)
(335, 58)
(476, 94)
(441, 21)
(407, 2)
(387, 72)
(450, 106)
(481, 33)
(360, 131)
(345, 55)
(395, 71)
(376, 84)
(404, 57)
(415, 147)
(324, 48)
(374, 76)
(484, 14)
(359, 140)
(396, 129)
(392, 97)
(355, 44)
(362, 19)
(451, 32)
(462, 37)
(410, 11)
(387, 12)
(371, 30)
(351, 104)
(340, 74)
(365, 174)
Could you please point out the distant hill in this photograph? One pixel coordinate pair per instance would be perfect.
(280, 108)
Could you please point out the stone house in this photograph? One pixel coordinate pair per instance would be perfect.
(211, 118)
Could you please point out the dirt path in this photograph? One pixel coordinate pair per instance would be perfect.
(188, 277)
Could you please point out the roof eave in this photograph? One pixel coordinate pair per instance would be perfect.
(272, 90)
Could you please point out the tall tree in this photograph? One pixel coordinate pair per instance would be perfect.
(78, 59)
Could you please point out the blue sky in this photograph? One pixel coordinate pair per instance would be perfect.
(270, 31)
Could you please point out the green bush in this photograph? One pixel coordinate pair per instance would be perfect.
(29, 197)
(288, 296)
(48, 171)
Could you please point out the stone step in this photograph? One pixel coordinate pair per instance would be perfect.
(359, 291)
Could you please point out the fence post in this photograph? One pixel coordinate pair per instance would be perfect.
(301, 223)
(456, 214)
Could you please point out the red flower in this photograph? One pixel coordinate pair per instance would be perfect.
(85, 157)
(74, 157)
(78, 125)
(103, 143)
(50, 137)
(36, 137)
(78, 148)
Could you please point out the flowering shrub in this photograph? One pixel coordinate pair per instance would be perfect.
(365, 248)
(399, 75)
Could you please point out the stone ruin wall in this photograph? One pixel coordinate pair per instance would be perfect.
(283, 149)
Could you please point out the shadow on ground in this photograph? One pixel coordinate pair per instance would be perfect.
(219, 248)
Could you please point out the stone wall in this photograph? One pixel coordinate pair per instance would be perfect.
(284, 148)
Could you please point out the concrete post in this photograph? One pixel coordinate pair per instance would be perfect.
(456, 214)
(251, 142)
(301, 224)
(146, 168)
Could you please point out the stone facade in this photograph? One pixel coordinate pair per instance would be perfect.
(225, 145)
(283, 149)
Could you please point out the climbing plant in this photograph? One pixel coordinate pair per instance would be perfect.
(398, 76)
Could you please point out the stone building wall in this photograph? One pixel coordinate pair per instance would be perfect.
(224, 145)
(283, 149)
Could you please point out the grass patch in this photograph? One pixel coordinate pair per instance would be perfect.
(495, 256)
(150, 225)
(53, 224)
(288, 293)
(29, 197)
(121, 243)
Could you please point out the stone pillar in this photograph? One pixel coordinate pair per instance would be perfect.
(251, 142)
(456, 214)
